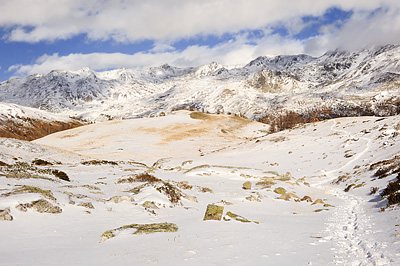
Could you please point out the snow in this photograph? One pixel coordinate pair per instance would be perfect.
(299, 82)
(351, 230)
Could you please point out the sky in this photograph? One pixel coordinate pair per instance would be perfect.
(38, 36)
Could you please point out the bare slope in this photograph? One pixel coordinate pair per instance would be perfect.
(181, 134)
(28, 123)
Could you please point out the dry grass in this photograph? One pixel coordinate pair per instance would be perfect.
(199, 115)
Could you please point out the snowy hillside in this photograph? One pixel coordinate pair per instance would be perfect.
(29, 123)
(366, 80)
(135, 192)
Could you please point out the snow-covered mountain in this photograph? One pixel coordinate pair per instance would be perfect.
(300, 82)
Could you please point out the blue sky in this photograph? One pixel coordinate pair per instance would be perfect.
(42, 35)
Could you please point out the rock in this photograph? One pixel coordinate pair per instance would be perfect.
(118, 199)
(213, 212)
(280, 190)
(191, 198)
(140, 229)
(318, 201)
(150, 205)
(247, 185)
(288, 196)
(88, 205)
(236, 217)
(23, 207)
(306, 198)
(43, 206)
(5, 215)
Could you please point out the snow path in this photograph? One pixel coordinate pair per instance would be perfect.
(349, 225)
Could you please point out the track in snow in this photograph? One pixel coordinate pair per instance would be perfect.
(349, 225)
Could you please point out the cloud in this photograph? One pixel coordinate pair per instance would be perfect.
(363, 29)
(162, 20)
(241, 49)
(248, 28)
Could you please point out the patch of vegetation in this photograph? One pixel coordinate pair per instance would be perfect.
(341, 179)
(29, 189)
(41, 162)
(144, 177)
(87, 205)
(91, 187)
(391, 192)
(373, 190)
(265, 184)
(18, 173)
(206, 190)
(386, 167)
(140, 229)
(199, 115)
(278, 139)
(99, 162)
(43, 206)
(173, 193)
(60, 174)
(347, 189)
(3, 164)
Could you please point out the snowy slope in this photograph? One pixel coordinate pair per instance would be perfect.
(318, 160)
(267, 84)
(29, 123)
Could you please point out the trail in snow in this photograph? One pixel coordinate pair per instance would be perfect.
(349, 225)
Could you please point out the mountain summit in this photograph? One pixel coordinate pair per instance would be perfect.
(337, 80)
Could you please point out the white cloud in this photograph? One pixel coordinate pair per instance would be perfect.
(362, 29)
(165, 20)
(234, 52)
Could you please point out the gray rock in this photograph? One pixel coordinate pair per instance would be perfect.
(118, 199)
(150, 205)
(23, 207)
(5, 215)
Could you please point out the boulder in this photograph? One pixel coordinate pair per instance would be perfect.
(306, 198)
(247, 185)
(288, 196)
(5, 215)
(213, 212)
(280, 190)
(318, 201)
(23, 207)
(118, 199)
(236, 217)
(150, 205)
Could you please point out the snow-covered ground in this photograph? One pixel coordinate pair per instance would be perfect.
(204, 159)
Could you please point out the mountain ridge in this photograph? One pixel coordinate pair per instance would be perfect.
(265, 85)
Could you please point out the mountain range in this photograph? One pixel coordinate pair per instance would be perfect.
(338, 83)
